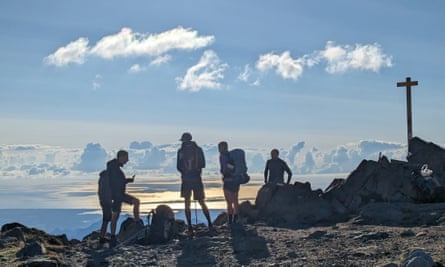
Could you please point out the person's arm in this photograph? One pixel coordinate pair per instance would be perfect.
(203, 159)
(178, 162)
(130, 180)
(289, 172)
(226, 166)
(266, 171)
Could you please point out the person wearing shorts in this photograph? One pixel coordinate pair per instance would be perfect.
(105, 204)
(230, 185)
(118, 183)
(190, 162)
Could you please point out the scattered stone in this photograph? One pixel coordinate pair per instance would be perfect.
(316, 235)
(372, 236)
(40, 262)
(407, 233)
(417, 258)
(16, 233)
(34, 248)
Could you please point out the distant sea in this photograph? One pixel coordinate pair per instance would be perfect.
(70, 206)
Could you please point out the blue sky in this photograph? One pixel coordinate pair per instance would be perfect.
(255, 73)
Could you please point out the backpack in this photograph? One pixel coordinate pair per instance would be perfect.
(238, 158)
(191, 157)
(162, 226)
(104, 188)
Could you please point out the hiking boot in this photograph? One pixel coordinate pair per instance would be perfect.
(103, 240)
(190, 232)
(210, 227)
(113, 241)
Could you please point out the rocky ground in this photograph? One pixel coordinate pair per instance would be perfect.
(342, 244)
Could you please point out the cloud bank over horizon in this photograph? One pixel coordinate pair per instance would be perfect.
(38, 161)
(210, 71)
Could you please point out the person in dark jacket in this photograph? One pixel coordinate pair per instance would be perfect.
(275, 168)
(189, 162)
(106, 202)
(230, 185)
(118, 183)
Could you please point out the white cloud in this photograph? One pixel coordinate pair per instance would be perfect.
(136, 68)
(206, 74)
(369, 57)
(161, 60)
(360, 57)
(49, 161)
(245, 75)
(127, 43)
(74, 52)
(284, 65)
(97, 82)
(92, 159)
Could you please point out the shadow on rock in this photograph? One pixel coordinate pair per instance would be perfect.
(247, 245)
(197, 252)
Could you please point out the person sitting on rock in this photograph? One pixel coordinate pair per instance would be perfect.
(275, 168)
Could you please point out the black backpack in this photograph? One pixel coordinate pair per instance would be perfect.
(162, 226)
(104, 188)
(238, 158)
(191, 157)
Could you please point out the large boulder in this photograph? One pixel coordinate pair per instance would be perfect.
(394, 181)
(419, 180)
(372, 181)
(292, 204)
(423, 152)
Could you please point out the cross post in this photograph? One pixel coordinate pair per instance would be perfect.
(408, 83)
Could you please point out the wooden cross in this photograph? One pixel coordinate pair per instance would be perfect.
(408, 83)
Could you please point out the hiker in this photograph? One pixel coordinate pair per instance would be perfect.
(230, 184)
(189, 162)
(275, 168)
(118, 183)
(105, 201)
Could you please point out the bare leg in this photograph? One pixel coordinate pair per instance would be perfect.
(205, 210)
(228, 197)
(136, 204)
(114, 218)
(188, 213)
(103, 229)
(235, 203)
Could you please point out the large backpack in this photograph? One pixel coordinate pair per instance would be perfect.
(162, 226)
(104, 188)
(238, 158)
(191, 157)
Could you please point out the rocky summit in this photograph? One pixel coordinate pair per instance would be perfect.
(385, 213)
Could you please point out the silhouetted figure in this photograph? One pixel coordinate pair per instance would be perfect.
(106, 202)
(118, 183)
(189, 162)
(231, 185)
(275, 168)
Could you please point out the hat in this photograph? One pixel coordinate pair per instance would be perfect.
(186, 137)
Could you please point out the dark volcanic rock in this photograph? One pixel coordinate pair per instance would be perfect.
(373, 191)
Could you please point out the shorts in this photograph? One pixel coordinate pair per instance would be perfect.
(196, 186)
(117, 204)
(106, 210)
(231, 186)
